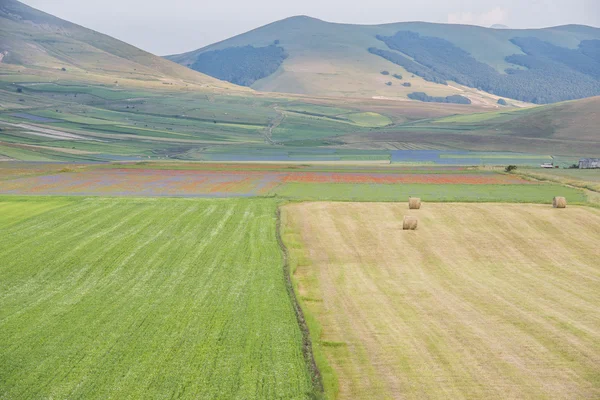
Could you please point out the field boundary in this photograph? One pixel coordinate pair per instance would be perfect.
(307, 350)
(564, 181)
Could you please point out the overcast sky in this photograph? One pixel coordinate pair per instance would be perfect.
(175, 26)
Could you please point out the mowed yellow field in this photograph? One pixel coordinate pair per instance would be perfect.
(483, 301)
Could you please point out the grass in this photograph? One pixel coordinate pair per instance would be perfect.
(471, 305)
(542, 193)
(583, 178)
(292, 238)
(169, 124)
(107, 93)
(195, 125)
(24, 154)
(145, 298)
(587, 180)
(369, 119)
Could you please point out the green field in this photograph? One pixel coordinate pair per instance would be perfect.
(145, 298)
(581, 178)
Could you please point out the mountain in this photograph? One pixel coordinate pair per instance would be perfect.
(44, 47)
(309, 56)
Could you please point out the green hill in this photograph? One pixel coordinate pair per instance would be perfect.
(563, 128)
(440, 60)
(40, 47)
(572, 120)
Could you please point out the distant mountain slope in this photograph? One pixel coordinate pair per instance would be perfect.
(573, 120)
(535, 65)
(563, 128)
(39, 44)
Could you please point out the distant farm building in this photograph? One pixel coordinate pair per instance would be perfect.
(587, 163)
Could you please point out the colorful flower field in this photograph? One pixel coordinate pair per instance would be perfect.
(245, 181)
(146, 182)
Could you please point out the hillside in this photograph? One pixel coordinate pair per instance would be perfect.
(394, 60)
(573, 120)
(46, 48)
(563, 128)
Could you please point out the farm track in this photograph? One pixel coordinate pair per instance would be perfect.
(307, 348)
(487, 301)
(274, 125)
(145, 298)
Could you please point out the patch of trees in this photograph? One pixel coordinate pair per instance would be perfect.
(389, 83)
(454, 99)
(502, 102)
(385, 72)
(408, 64)
(540, 54)
(397, 76)
(241, 65)
(591, 48)
(552, 73)
(407, 84)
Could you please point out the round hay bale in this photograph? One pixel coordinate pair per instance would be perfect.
(410, 223)
(414, 203)
(559, 202)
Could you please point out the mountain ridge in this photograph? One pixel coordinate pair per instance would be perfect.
(327, 58)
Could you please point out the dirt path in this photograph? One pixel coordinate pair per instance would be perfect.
(268, 133)
(483, 301)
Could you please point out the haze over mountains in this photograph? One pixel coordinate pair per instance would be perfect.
(309, 56)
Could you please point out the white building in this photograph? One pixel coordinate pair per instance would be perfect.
(586, 163)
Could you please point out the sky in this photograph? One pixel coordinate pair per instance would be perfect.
(175, 26)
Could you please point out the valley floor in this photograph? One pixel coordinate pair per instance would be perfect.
(113, 287)
(482, 301)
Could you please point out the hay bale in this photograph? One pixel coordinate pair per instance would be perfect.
(559, 202)
(410, 223)
(414, 203)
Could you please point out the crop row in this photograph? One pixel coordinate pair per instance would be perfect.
(146, 298)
